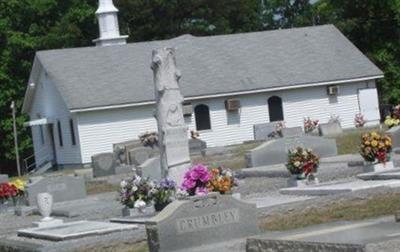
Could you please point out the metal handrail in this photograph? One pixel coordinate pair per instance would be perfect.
(30, 165)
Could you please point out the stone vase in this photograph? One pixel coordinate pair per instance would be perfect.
(130, 212)
(378, 167)
(4, 204)
(158, 207)
(45, 205)
(296, 181)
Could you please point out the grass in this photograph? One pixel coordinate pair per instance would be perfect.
(349, 141)
(338, 211)
(233, 161)
(117, 247)
(96, 187)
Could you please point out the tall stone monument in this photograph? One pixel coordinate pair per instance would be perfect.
(173, 138)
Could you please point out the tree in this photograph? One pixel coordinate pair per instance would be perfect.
(25, 27)
(162, 19)
(374, 27)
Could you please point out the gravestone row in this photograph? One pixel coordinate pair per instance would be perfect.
(275, 151)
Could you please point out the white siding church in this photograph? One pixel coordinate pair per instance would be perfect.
(83, 100)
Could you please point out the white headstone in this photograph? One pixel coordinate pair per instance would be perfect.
(173, 139)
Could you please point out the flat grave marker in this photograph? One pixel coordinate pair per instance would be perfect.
(74, 230)
(63, 188)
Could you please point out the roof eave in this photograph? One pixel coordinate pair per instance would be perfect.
(192, 98)
(30, 90)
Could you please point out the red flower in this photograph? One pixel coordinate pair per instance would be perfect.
(7, 190)
(308, 168)
(381, 156)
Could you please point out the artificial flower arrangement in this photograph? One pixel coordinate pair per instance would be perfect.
(200, 181)
(309, 124)
(391, 121)
(194, 134)
(163, 193)
(222, 180)
(7, 191)
(278, 130)
(136, 192)
(149, 139)
(376, 147)
(12, 190)
(359, 120)
(302, 162)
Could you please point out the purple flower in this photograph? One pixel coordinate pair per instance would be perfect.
(188, 184)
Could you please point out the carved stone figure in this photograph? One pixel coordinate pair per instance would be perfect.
(173, 139)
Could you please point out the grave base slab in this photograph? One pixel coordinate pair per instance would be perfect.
(49, 223)
(74, 230)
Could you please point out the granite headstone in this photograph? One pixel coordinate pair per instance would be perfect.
(150, 169)
(330, 129)
(394, 133)
(292, 132)
(276, 151)
(197, 146)
(62, 188)
(103, 164)
(139, 155)
(262, 131)
(3, 178)
(189, 223)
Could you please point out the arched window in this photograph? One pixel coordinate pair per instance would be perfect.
(275, 109)
(202, 114)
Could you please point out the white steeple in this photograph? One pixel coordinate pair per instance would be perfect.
(108, 25)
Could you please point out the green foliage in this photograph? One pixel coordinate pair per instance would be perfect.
(30, 25)
(374, 27)
(161, 19)
(25, 27)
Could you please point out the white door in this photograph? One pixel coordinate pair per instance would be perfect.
(368, 100)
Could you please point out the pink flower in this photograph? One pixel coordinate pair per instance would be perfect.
(201, 191)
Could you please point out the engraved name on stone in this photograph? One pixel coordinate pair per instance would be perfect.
(176, 145)
(196, 223)
(56, 187)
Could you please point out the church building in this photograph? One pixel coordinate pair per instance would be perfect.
(81, 101)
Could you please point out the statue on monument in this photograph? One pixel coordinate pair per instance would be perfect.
(173, 139)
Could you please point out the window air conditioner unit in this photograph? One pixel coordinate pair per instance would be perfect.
(187, 109)
(333, 90)
(232, 104)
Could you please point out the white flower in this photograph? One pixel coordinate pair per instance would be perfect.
(137, 179)
(140, 204)
(151, 184)
(123, 184)
(297, 163)
(294, 151)
(229, 173)
(134, 188)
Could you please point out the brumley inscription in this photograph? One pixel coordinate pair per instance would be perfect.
(211, 220)
(56, 187)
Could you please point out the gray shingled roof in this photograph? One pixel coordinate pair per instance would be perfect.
(102, 76)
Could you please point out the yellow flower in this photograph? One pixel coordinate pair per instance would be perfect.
(374, 143)
(388, 143)
(367, 143)
(19, 184)
(374, 134)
